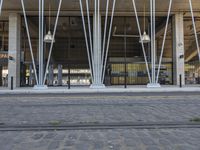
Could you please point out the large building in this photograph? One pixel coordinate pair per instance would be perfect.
(99, 42)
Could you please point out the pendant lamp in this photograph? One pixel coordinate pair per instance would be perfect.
(145, 37)
(49, 37)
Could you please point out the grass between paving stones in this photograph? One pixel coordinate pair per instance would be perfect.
(55, 122)
(195, 119)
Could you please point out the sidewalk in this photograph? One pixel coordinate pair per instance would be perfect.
(110, 89)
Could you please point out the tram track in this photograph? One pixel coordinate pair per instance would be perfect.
(101, 126)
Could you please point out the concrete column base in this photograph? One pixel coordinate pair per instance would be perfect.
(97, 86)
(40, 87)
(153, 85)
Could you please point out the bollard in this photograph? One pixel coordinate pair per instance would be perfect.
(180, 78)
(11, 86)
(68, 82)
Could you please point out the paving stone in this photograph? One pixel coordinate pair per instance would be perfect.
(153, 148)
(82, 146)
(131, 142)
(72, 136)
(98, 144)
(50, 135)
(54, 145)
(163, 141)
(186, 147)
(37, 136)
(70, 143)
(84, 137)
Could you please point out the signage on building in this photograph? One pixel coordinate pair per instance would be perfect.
(3, 57)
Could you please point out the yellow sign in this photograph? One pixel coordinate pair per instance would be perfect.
(3, 56)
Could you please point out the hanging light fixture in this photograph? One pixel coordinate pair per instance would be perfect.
(49, 37)
(145, 37)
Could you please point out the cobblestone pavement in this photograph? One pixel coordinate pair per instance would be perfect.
(99, 108)
(181, 139)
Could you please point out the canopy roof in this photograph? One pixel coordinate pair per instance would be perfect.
(123, 7)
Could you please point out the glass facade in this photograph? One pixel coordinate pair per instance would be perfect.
(69, 61)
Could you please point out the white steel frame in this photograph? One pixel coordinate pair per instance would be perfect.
(153, 79)
(41, 78)
(97, 72)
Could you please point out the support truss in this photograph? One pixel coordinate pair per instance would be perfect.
(97, 71)
(42, 78)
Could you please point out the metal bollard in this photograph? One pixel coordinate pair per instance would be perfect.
(180, 78)
(69, 85)
(69, 77)
(11, 86)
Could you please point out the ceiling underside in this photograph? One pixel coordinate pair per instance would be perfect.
(123, 7)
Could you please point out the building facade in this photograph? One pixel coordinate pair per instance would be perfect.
(99, 42)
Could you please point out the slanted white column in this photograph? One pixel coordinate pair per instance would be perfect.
(14, 49)
(153, 83)
(178, 49)
(97, 52)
